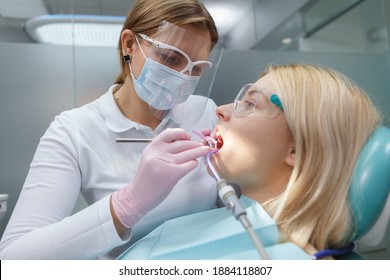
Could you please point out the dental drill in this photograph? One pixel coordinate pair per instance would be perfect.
(229, 198)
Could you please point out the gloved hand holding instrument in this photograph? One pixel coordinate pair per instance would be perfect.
(168, 158)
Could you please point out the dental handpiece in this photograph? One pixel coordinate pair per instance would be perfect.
(229, 198)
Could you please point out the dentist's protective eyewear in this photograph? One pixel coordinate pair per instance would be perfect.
(175, 58)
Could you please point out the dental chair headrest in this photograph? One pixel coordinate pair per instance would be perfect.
(370, 184)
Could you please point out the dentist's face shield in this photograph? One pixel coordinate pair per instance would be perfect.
(178, 63)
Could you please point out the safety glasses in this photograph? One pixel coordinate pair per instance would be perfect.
(253, 98)
(175, 58)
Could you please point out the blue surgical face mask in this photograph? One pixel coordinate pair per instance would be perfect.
(162, 87)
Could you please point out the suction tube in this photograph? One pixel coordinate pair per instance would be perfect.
(229, 198)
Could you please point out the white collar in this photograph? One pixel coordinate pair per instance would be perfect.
(117, 122)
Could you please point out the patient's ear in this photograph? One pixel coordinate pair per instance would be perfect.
(290, 159)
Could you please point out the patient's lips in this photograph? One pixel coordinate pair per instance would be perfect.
(219, 139)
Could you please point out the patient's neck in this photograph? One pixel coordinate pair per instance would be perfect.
(268, 189)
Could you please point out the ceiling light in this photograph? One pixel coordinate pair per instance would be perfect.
(77, 30)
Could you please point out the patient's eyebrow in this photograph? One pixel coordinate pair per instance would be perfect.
(251, 92)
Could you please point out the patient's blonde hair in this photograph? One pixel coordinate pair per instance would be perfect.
(145, 17)
(330, 119)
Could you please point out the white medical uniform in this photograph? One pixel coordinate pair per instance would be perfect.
(77, 153)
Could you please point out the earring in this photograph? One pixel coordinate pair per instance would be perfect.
(292, 151)
(127, 57)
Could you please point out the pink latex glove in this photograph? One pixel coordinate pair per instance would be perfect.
(168, 158)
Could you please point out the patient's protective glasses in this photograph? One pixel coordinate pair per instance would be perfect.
(175, 58)
(254, 97)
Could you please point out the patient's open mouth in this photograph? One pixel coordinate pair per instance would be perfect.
(219, 139)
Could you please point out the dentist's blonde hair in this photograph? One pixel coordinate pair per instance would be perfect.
(330, 119)
(145, 17)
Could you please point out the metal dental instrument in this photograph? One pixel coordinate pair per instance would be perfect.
(230, 200)
(208, 140)
(134, 140)
(148, 140)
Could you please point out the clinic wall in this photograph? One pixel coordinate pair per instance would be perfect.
(39, 81)
(257, 22)
(35, 85)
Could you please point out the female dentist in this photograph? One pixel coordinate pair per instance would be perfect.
(168, 51)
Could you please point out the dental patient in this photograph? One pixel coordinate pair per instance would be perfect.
(290, 141)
